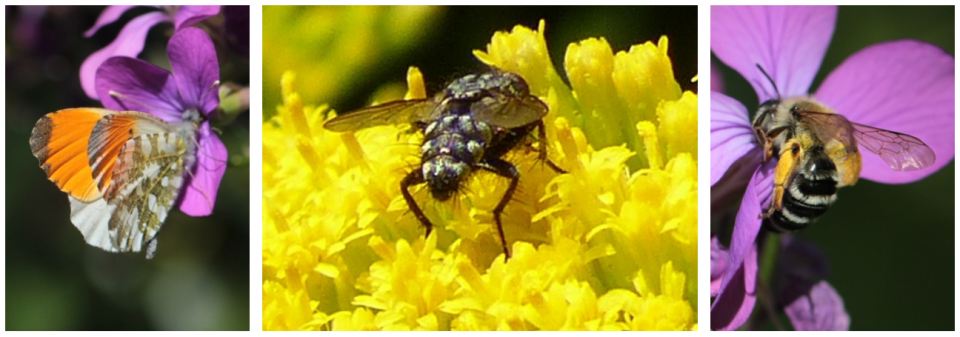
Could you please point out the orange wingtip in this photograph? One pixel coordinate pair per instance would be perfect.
(59, 141)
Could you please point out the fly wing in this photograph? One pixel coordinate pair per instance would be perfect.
(901, 151)
(395, 112)
(509, 111)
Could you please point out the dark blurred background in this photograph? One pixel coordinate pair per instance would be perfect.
(891, 248)
(199, 279)
(379, 43)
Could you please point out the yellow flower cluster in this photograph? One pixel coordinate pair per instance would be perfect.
(607, 246)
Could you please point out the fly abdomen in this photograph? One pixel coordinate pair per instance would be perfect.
(452, 145)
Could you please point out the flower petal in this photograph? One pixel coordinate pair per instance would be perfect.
(788, 42)
(140, 86)
(904, 86)
(731, 134)
(821, 309)
(201, 193)
(738, 295)
(108, 16)
(738, 290)
(128, 43)
(188, 15)
(718, 265)
(195, 68)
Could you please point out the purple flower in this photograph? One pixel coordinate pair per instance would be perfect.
(905, 86)
(131, 38)
(126, 83)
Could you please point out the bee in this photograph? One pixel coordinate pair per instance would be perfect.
(819, 152)
(469, 126)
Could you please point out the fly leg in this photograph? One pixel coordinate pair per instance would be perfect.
(542, 133)
(507, 170)
(415, 178)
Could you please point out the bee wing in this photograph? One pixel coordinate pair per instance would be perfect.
(395, 112)
(509, 112)
(901, 151)
(830, 126)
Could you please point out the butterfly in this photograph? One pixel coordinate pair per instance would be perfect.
(122, 171)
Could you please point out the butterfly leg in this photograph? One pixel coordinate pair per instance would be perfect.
(542, 133)
(152, 246)
(507, 170)
(415, 178)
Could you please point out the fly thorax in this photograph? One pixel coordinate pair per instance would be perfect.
(474, 86)
(443, 175)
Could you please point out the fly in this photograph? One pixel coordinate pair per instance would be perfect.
(470, 125)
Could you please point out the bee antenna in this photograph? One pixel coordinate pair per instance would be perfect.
(777, 90)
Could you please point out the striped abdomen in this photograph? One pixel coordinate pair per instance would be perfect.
(808, 194)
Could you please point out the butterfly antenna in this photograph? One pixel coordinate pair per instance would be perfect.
(775, 89)
(121, 97)
(200, 151)
(202, 191)
(209, 90)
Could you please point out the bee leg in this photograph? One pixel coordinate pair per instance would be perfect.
(415, 178)
(507, 170)
(542, 133)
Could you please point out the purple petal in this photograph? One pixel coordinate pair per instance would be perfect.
(141, 87)
(718, 265)
(788, 42)
(738, 295)
(820, 310)
(904, 86)
(755, 200)
(738, 290)
(128, 43)
(731, 134)
(201, 193)
(108, 16)
(195, 68)
(189, 15)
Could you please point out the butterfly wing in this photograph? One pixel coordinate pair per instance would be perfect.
(134, 163)
(59, 140)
